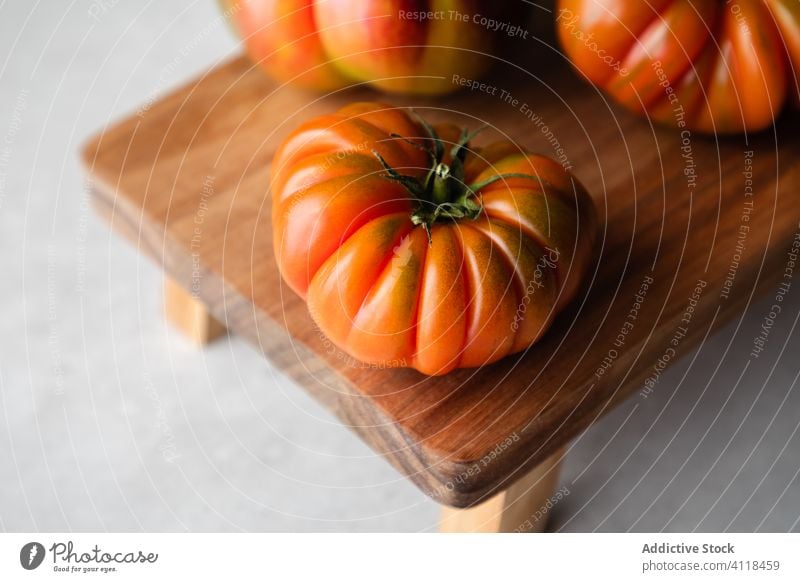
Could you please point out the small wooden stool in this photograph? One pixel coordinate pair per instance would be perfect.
(187, 180)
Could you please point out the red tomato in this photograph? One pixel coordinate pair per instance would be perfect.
(708, 65)
(413, 249)
(399, 46)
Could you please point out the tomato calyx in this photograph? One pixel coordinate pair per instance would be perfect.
(442, 194)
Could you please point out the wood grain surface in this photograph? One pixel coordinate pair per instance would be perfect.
(694, 228)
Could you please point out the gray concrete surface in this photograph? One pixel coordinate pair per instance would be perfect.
(110, 421)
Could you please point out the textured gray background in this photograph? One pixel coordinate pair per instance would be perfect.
(94, 386)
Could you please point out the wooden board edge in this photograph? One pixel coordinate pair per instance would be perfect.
(429, 471)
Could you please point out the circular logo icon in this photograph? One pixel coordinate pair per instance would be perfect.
(31, 555)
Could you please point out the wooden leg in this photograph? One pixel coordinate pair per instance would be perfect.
(189, 314)
(523, 507)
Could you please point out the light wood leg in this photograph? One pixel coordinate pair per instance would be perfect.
(189, 314)
(523, 507)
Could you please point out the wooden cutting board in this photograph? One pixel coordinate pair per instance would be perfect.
(693, 229)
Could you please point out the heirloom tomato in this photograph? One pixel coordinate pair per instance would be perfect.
(414, 249)
(710, 65)
(398, 46)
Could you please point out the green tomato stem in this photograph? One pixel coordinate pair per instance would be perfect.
(442, 194)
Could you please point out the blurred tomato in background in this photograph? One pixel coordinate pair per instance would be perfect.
(397, 46)
(710, 66)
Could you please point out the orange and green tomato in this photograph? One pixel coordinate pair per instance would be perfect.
(413, 248)
(398, 46)
(708, 65)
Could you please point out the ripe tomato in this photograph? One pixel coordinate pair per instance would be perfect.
(709, 65)
(399, 46)
(414, 250)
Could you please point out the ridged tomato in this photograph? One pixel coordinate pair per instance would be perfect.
(398, 46)
(708, 65)
(413, 249)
